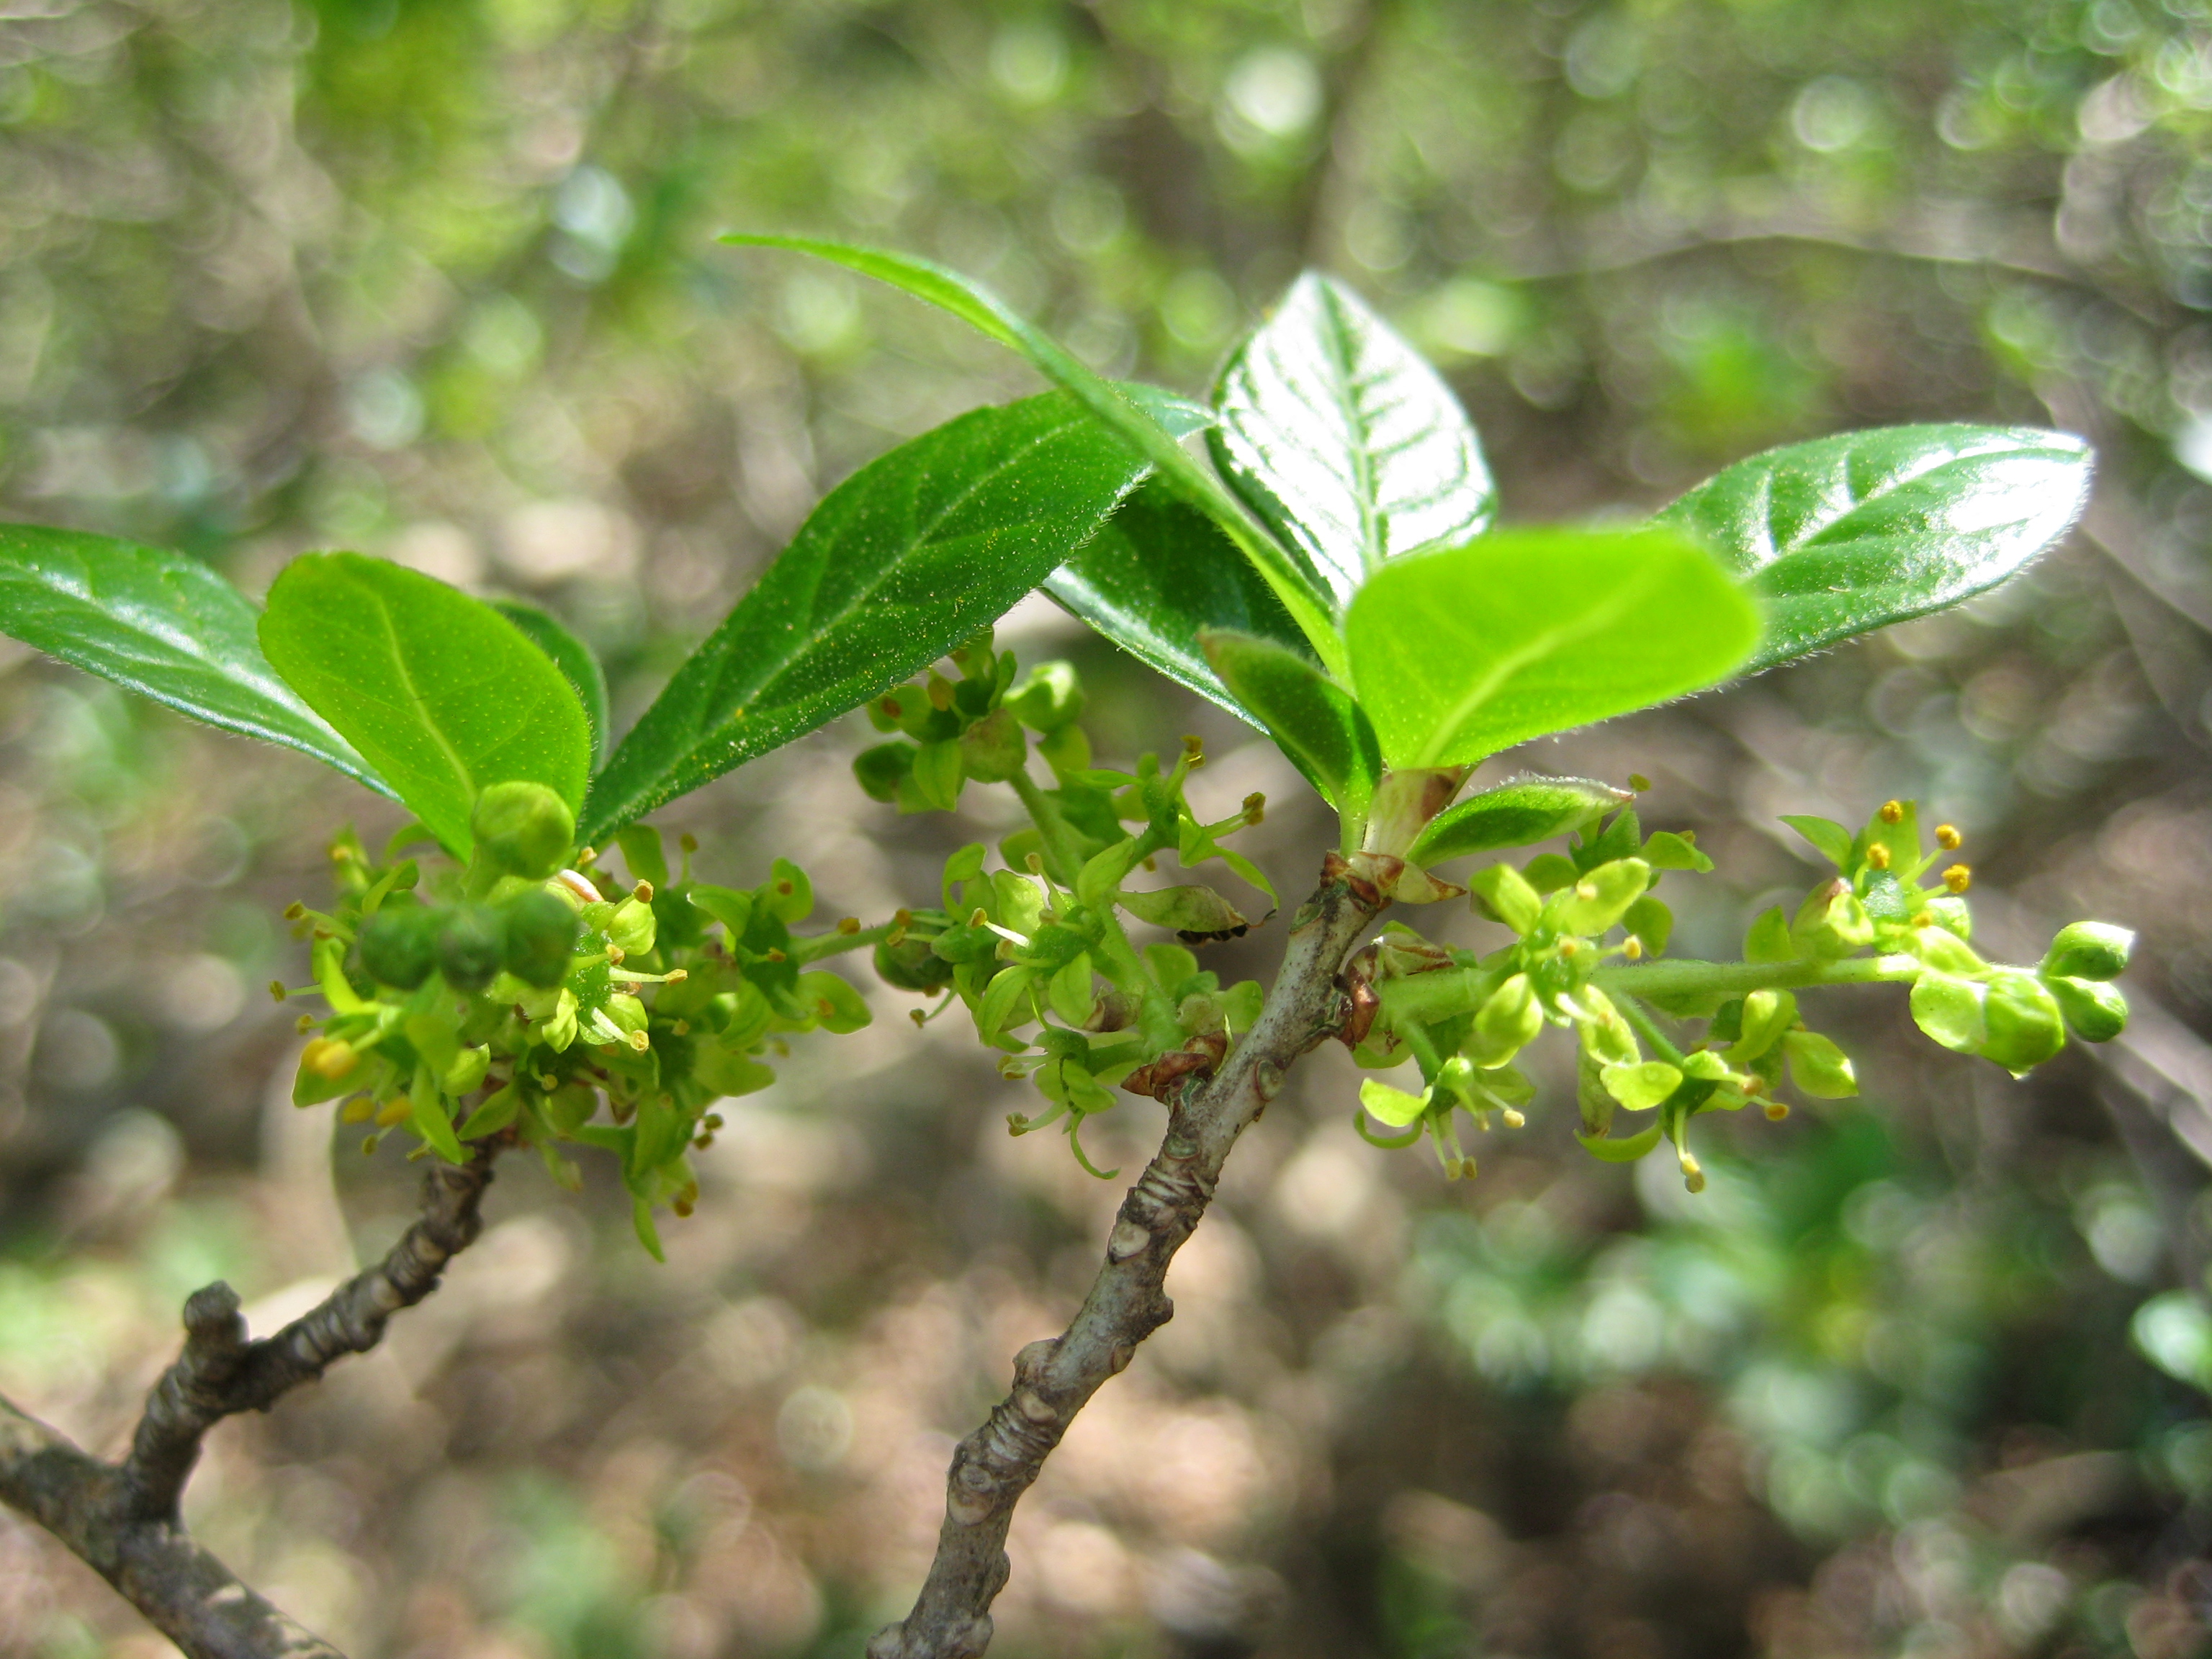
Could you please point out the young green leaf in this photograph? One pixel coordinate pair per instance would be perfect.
(1343, 440)
(441, 693)
(162, 625)
(1157, 574)
(1855, 531)
(578, 665)
(1310, 718)
(909, 556)
(1459, 653)
(1121, 412)
(1517, 813)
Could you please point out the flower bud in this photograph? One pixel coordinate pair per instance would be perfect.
(1049, 698)
(2096, 1011)
(1507, 1023)
(523, 828)
(541, 936)
(1767, 1017)
(2089, 950)
(1603, 897)
(2025, 1026)
(1506, 894)
(1943, 950)
(1950, 1010)
(881, 769)
(472, 944)
(633, 927)
(1831, 923)
(1818, 1068)
(399, 945)
(992, 750)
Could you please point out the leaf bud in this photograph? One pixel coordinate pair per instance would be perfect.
(523, 828)
(632, 928)
(541, 936)
(1504, 893)
(881, 769)
(472, 944)
(1818, 1068)
(1831, 923)
(1603, 897)
(2089, 950)
(2096, 1011)
(2024, 1023)
(399, 945)
(1508, 1021)
(992, 750)
(1050, 697)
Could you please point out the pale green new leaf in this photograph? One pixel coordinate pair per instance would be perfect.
(442, 694)
(1458, 653)
(1310, 718)
(1343, 440)
(1864, 529)
(1518, 813)
(162, 625)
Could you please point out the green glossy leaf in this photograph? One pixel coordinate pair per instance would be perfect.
(442, 694)
(1157, 574)
(1310, 718)
(912, 555)
(1518, 813)
(162, 625)
(1344, 442)
(1121, 410)
(1855, 531)
(575, 660)
(1459, 653)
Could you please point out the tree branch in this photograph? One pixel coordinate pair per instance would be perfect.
(1053, 1378)
(122, 1519)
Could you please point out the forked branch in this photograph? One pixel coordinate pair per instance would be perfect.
(123, 1519)
(1053, 1378)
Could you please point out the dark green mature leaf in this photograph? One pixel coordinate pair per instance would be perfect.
(915, 552)
(1123, 413)
(1310, 718)
(1343, 440)
(441, 692)
(162, 625)
(1459, 653)
(1157, 574)
(1518, 813)
(1855, 531)
(578, 665)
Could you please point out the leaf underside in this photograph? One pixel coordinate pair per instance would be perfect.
(1344, 442)
(163, 625)
(1518, 813)
(1855, 531)
(914, 554)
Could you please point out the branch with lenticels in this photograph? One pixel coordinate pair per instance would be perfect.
(1053, 1378)
(123, 1519)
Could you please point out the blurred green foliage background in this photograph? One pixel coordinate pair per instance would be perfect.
(1921, 1374)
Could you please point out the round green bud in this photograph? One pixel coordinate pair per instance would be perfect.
(2089, 950)
(2025, 1026)
(1051, 697)
(472, 944)
(992, 750)
(523, 828)
(1508, 1021)
(882, 769)
(541, 936)
(399, 945)
(2096, 1011)
(912, 965)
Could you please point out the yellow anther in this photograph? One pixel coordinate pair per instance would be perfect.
(276, 991)
(615, 954)
(688, 841)
(676, 977)
(1255, 807)
(1639, 782)
(359, 1109)
(329, 1057)
(1878, 856)
(849, 925)
(1513, 1118)
(1193, 748)
(394, 1112)
(1777, 1111)
(640, 1041)
(940, 693)
(642, 892)
(902, 917)
(305, 1024)
(1633, 950)
(295, 910)
(1569, 947)
(1958, 878)
(1893, 811)
(1035, 863)
(585, 856)
(1466, 1169)
(1947, 837)
(1586, 890)
(979, 918)
(1693, 1177)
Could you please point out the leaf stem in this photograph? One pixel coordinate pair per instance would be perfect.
(818, 945)
(1688, 977)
